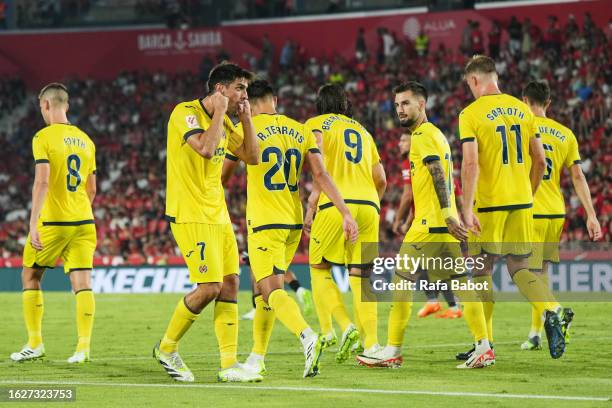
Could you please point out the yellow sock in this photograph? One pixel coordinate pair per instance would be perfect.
(226, 329)
(366, 312)
(473, 311)
(181, 321)
(488, 303)
(320, 280)
(263, 322)
(85, 311)
(399, 316)
(537, 321)
(535, 290)
(287, 311)
(33, 308)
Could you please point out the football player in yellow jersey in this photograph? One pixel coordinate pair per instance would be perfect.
(61, 221)
(199, 133)
(350, 156)
(274, 220)
(503, 165)
(433, 235)
(561, 150)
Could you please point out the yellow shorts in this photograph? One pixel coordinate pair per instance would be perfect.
(74, 244)
(546, 237)
(327, 241)
(210, 250)
(437, 253)
(271, 251)
(505, 232)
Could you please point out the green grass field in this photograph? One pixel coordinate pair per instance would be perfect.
(123, 373)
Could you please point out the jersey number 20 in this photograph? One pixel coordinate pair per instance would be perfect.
(281, 160)
(73, 178)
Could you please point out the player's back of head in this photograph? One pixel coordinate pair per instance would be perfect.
(225, 73)
(480, 64)
(55, 93)
(260, 89)
(537, 93)
(331, 98)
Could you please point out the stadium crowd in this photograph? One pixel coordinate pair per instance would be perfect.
(126, 117)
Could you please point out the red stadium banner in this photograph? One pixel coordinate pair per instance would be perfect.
(49, 56)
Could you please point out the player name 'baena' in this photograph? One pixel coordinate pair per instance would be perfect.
(281, 130)
(74, 141)
(499, 111)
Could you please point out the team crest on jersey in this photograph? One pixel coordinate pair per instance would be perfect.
(192, 122)
(203, 269)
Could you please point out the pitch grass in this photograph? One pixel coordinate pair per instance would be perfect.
(127, 327)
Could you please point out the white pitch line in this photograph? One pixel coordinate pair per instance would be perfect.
(314, 389)
(297, 351)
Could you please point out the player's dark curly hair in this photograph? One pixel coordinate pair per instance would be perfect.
(413, 86)
(538, 92)
(259, 89)
(331, 98)
(225, 73)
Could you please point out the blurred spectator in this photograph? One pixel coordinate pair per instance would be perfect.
(515, 32)
(494, 40)
(421, 44)
(287, 55)
(360, 44)
(466, 38)
(3, 9)
(477, 39)
(552, 37)
(267, 54)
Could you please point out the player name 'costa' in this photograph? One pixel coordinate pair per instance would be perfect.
(281, 130)
(499, 111)
(74, 141)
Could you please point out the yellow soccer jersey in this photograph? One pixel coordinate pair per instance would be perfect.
(429, 144)
(561, 149)
(502, 126)
(194, 193)
(273, 196)
(349, 153)
(72, 158)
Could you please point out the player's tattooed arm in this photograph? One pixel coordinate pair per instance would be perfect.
(439, 180)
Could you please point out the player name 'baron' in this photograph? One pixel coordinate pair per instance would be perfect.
(505, 111)
(280, 130)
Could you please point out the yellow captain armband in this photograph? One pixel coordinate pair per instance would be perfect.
(447, 213)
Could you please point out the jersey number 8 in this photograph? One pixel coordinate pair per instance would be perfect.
(74, 165)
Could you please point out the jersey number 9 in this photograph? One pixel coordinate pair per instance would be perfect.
(352, 139)
(74, 165)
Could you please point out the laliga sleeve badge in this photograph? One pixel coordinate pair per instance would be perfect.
(203, 269)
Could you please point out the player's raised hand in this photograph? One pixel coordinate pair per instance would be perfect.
(35, 238)
(219, 101)
(593, 228)
(351, 230)
(471, 223)
(244, 110)
(456, 229)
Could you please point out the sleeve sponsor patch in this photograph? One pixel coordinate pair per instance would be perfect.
(192, 122)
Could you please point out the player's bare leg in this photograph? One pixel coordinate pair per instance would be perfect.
(85, 311)
(365, 308)
(33, 308)
(288, 312)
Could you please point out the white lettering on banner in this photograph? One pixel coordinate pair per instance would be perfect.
(140, 279)
(602, 277)
(102, 280)
(412, 28)
(341, 277)
(579, 278)
(163, 279)
(181, 282)
(124, 280)
(506, 285)
(559, 278)
(178, 42)
(438, 26)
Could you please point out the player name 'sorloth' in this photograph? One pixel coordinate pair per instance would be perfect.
(421, 285)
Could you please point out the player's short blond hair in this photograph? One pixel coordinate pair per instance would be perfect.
(55, 93)
(480, 64)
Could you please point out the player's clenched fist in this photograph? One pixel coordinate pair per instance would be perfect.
(244, 110)
(351, 230)
(219, 101)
